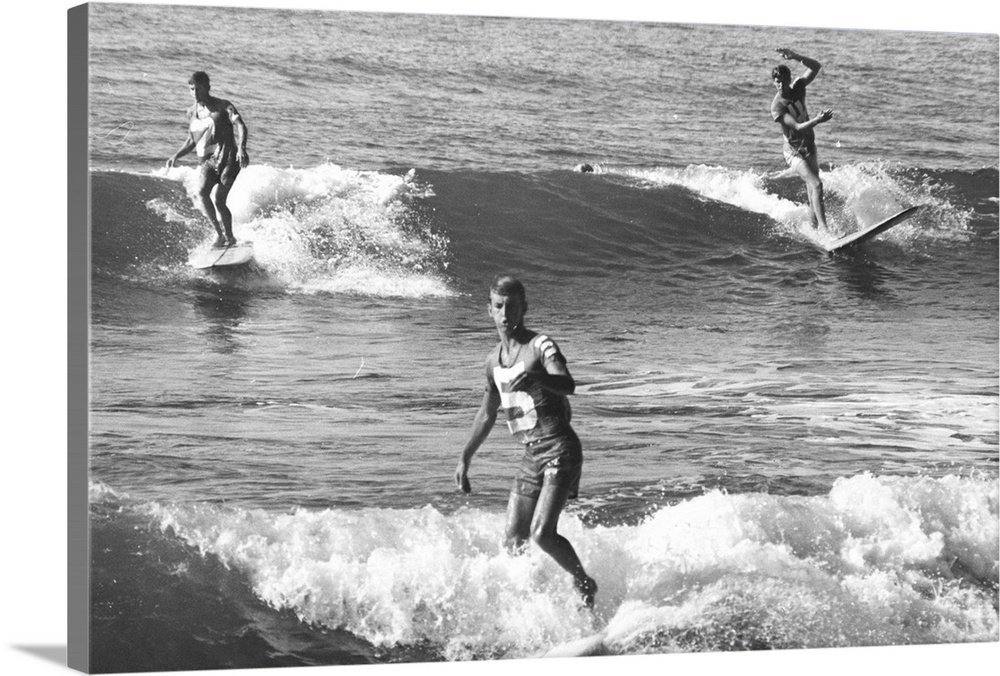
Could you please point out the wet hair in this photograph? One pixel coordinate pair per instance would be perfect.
(781, 73)
(199, 77)
(508, 285)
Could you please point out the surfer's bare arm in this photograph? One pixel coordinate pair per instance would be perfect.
(790, 122)
(189, 144)
(184, 150)
(240, 130)
(812, 65)
(482, 425)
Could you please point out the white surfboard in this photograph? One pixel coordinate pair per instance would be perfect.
(871, 231)
(217, 257)
(588, 646)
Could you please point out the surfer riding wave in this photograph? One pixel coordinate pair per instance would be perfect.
(788, 109)
(218, 135)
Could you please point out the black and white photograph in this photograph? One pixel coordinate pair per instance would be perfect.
(410, 337)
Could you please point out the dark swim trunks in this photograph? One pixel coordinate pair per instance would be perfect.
(220, 167)
(558, 462)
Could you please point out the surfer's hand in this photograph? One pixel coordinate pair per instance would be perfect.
(826, 115)
(243, 158)
(170, 162)
(786, 53)
(462, 477)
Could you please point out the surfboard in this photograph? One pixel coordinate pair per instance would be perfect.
(238, 254)
(865, 234)
(589, 646)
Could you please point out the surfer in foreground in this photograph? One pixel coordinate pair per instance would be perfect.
(526, 375)
(789, 110)
(219, 136)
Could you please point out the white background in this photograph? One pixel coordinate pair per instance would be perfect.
(33, 251)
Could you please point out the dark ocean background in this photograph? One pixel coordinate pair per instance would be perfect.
(783, 449)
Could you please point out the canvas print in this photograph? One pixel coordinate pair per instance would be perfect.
(424, 337)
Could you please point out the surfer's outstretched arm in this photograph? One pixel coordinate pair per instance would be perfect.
(482, 425)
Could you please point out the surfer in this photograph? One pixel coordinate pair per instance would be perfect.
(217, 133)
(789, 110)
(526, 375)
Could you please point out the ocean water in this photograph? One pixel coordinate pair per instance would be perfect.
(783, 449)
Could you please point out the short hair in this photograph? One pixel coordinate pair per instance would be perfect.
(781, 73)
(199, 77)
(508, 285)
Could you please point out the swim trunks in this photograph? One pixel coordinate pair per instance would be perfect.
(793, 155)
(220, 167)
(558, 462)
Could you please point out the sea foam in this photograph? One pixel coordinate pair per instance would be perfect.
(877, 561)
(336, 230)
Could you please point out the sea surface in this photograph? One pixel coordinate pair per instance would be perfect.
(783, 449)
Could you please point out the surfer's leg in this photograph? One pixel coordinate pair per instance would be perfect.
(537, 498)
(228, 169)
(226, 216)
(520, 509)
(808, 170)
(524, 494)
(208, 179)
(544, 534)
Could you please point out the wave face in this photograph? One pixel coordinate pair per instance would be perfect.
(322, 229)
(426, 234)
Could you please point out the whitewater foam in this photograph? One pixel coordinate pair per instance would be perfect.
(877, 561)
(858, 195)
(334, 230)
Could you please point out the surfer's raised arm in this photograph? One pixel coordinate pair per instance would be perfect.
(812, 65)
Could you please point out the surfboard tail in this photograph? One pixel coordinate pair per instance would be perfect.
(588, 646)
(237, 254)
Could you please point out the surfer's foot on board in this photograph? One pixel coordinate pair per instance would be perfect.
(587, 589)
(224, 242)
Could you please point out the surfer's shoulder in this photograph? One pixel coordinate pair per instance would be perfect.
(547, 348)
(493, 356)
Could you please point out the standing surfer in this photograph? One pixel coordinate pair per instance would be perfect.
(526, 375)
(217, 133)
(789, 110)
